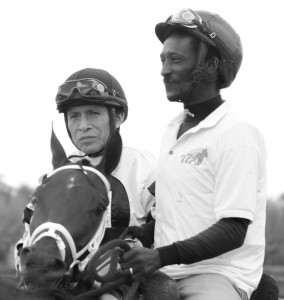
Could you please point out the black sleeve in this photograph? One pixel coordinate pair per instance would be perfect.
(145, 232)
(148, 233)
(225, 235)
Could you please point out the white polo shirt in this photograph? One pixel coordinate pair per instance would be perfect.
(215, 170)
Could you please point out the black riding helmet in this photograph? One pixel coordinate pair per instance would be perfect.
(212, 31)
(92, 86)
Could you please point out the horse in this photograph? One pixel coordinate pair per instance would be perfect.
(72, 210)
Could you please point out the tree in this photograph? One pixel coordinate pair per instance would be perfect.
(274, 254)
(12, 203)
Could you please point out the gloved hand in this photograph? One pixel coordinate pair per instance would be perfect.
(144, 233)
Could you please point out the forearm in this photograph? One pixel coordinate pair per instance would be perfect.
(225, 235)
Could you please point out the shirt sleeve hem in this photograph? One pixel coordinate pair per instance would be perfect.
(168, 255)
(245, 214)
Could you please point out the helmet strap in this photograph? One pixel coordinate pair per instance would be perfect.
(112, 119)
(198, 72)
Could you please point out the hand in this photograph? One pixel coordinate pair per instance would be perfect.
(138, 232)
(143, 262)
(135, 231)
(144, 233)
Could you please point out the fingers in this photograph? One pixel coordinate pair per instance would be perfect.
(126, 272)
(133, 273)
(131, 265)
(126, 256)
(140, 262)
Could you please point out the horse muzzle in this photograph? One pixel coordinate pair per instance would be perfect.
(40, 270)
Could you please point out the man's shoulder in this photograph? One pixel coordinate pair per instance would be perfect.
(135, 164)
(234, 121)
(132, 153)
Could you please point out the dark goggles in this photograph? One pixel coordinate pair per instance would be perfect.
(191, 19)
(87, 87)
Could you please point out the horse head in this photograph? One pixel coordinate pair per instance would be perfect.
(71, 211)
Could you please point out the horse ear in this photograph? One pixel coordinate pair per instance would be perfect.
(59, 157)
(112, 154)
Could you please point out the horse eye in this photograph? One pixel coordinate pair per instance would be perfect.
(33, 200)
(100, 210)
(42, 178)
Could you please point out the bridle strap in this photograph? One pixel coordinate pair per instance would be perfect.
(48, 229)
(84, 168)
(92, 246)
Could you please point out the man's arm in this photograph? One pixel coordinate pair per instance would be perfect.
(225, 235)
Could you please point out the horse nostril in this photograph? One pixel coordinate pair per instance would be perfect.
(26, 251)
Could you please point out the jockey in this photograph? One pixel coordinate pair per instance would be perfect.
(211, 173)
(94, 106)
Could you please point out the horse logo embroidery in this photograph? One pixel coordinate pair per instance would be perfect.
(194, 156)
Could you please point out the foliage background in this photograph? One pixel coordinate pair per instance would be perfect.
(12, 204)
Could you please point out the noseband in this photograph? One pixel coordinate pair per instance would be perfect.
(49, 229)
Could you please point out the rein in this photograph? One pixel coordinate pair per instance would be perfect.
(49, 229)
(109, 254)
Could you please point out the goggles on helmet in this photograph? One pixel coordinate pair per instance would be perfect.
(191, 19)
(87, 87)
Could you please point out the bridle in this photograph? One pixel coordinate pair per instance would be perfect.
(55, 230)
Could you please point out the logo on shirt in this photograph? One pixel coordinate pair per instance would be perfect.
(194, 156)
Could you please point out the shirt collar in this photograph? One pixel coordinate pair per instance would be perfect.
(210, 121)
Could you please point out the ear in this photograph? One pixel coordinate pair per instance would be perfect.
(112, 153)
(59, 157)
(212, 65)
(119, 118)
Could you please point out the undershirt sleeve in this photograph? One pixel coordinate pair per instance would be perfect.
(225, 235)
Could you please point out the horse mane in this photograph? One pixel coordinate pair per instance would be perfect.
(85, 162)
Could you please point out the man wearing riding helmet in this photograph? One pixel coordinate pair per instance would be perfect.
(211, 174)
(94, 106)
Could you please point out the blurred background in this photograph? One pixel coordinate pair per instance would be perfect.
(43, 42)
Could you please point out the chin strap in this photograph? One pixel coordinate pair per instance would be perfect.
(198, 71)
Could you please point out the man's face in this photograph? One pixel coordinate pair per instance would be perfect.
(89, 127)
(178, 60)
